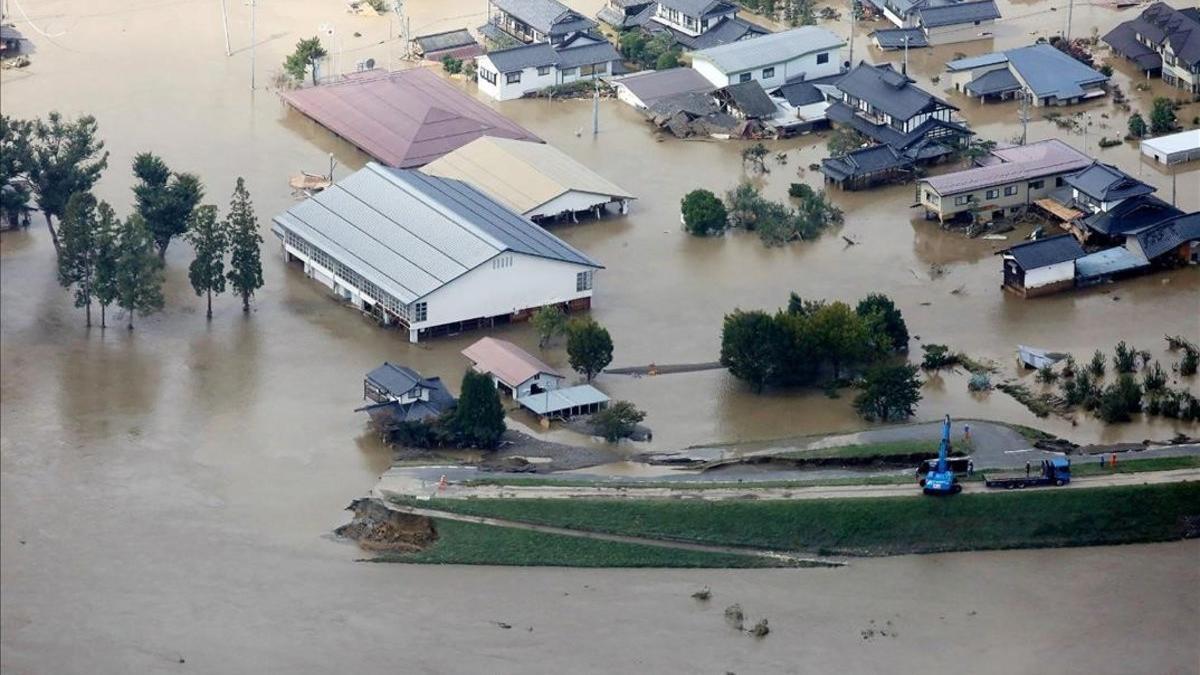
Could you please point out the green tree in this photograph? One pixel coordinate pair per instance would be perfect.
(890, 318)
(841, 335)
(667, 60)
(632, 44)
(452, 65)
(617, 421)
(77, 259)
(744, 205)
(1098, 363)
(308, 53)
(139, 274)
(936, 356)
(1120, 399)
(245, 259)
(210, 240)
(549, 322)
(1189, 362)
(1162, 116)
(749, 345)
(1137, 125)
(796, 357)
(165, 200)
(14, 158)
(108, 253)
(703, 213)
(478, 420)
(889, 393)
(64, 158)
(844, 140)
(1124, 358)
(589, 347)
(755, 156)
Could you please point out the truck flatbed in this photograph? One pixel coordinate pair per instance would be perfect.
(1051, 472)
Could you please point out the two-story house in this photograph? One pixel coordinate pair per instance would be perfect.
(1042, 73)
(533, 21)
(940, 21)
(511, 73)
(804, 53)
(401, 394)
(700, 24)
(1162, 40)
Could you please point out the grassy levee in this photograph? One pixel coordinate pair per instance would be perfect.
(1083, 466)
(878, 526)
(884, 450)
(461, 543)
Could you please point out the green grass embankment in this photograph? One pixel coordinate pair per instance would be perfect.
(886, 450)
(877, 526)
(1090, 466)
(461, 543)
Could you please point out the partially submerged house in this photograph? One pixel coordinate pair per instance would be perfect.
(745, 100)
(536, 180)
(866, 167)
(699, 24)
(430, 255)
(519, 71)
(626, 14)
(11, 41)
(1045, 74)
(534, 385)
(887, 108)
(804, 53)
(454, 44)
(941, 21)
(1041, 266)
(1173, 148)
(643, 89)
(1162, 41)
(402, 119)
(399, 394)
(533, 21)
(1005, 184)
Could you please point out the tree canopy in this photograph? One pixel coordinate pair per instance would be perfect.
(245, 258)
(479, 418)
(1137, 125)
(139, 276)
(15, 155)
(63, 158)
(889, 393)
(1162, 116)
(549, 322)
(703, 213)
(164, 199)
(210, 240)
(617, 421)
(749, 346)
(77, 259)
(589, 347)
(879, 307)
(308, 53)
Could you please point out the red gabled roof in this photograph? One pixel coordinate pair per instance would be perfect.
(403, 119)
(505, 361)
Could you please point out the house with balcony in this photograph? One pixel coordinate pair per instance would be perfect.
(533, 21)
(1162, 41)
(939, 22)
(700, 24)
(887, 108)
(626, 14)
(399, 394)
(804, 53)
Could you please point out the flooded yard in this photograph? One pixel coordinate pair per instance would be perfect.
(166, 493)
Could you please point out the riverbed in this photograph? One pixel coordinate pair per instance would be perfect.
(167, 493)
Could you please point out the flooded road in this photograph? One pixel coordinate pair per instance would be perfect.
(165, 494)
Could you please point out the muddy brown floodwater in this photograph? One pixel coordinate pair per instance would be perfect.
(166, 494)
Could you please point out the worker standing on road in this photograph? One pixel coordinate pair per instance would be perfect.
(970, 467)
(1027, 469)
(967, 433)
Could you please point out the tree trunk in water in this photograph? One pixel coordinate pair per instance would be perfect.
(162, 249)
(210, 305)
(103, 308)
(130, 319)
(245, 303)
(53, 235)
(88, 312)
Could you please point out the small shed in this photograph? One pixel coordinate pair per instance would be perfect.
(1173, 149)
(457, 44)
(866, 167)
(583, 399)
(515, 371)
(1041, 266)
(746, 100)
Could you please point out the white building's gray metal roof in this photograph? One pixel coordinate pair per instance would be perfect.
(556, 400)
(769, 49)
(410, 234)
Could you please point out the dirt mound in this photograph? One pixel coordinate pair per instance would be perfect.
(377, 528)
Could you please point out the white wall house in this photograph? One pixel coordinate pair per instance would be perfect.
(692, 17)
(514, 371)
(806, 52)
(507, 74)
(431, 254)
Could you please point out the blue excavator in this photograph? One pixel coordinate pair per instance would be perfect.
(941, 480)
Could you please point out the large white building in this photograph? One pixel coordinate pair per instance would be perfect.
(433, 255)
(807, 52)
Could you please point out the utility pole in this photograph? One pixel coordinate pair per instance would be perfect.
(225, 26)
(1024, 116)
(1070, 11)
(253, 4)
(1173, 173)
(852, 21)
(905, 55)
(596, 108)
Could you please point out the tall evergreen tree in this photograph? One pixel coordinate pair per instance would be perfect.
(139, 270)
(64, 158)
(245, 260)
(77, 258)
(104, 283)
(165, 199)
(210, 240)
(478, 420)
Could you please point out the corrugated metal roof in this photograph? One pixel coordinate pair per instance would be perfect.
(961, 13)
(521, 175)
(653, 85)
(1108, 261)
(506, 362)
(1048, 71)
(557, 400)
(1180, 142)
(769, 49)
(973, 62)
(993, 82)
(403, 119)
(410, 234)
(1042, 158)
(450, 39)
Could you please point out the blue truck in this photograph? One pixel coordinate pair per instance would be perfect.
(1055, 471)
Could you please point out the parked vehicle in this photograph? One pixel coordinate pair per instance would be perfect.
(942, 480)
(1055, 471)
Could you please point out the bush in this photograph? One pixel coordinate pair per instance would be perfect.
(1162, 116)
(1096, 367)
(703, 213)
(880, 309)
(1080, 390)
(1120, 400)
(1154, 378)
(1187, 365)
(1168, 405)
(1106, 142)
(889, 393)
(1124, 358)
(1137, 125)
(452, 65)
(937, 357)
(589, 347)
(617, 421)
(979, 382)
(1046, 375)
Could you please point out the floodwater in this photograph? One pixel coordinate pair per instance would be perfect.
(165, 493)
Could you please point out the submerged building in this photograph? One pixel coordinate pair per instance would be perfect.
(431, 255)
(1044, 74)
(1162, 41)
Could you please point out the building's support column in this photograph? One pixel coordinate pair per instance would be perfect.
(624, 206)
(412, 335)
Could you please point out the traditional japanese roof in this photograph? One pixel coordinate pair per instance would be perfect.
(993, 82)
(749, 98)
(1048, 251)
(403, 119)
(506, 362)
(1131, 214)
(546, 16)
(698, 8)
(587, 54)
(543, 54)
(411, 234)
(938, 15)
(863, 162)
(1106, 183)
(1165, 236)
(521, 175)
(888, 90)
(894, 38)
(564, 398)
(400, 380)
(652, 86)
(448, 41)
(770, 49)
(1026, 162)
(1162, 25)
(725, 31)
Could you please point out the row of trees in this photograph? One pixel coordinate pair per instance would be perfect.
(799, 344)
(745, 207)
(1162, 119)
